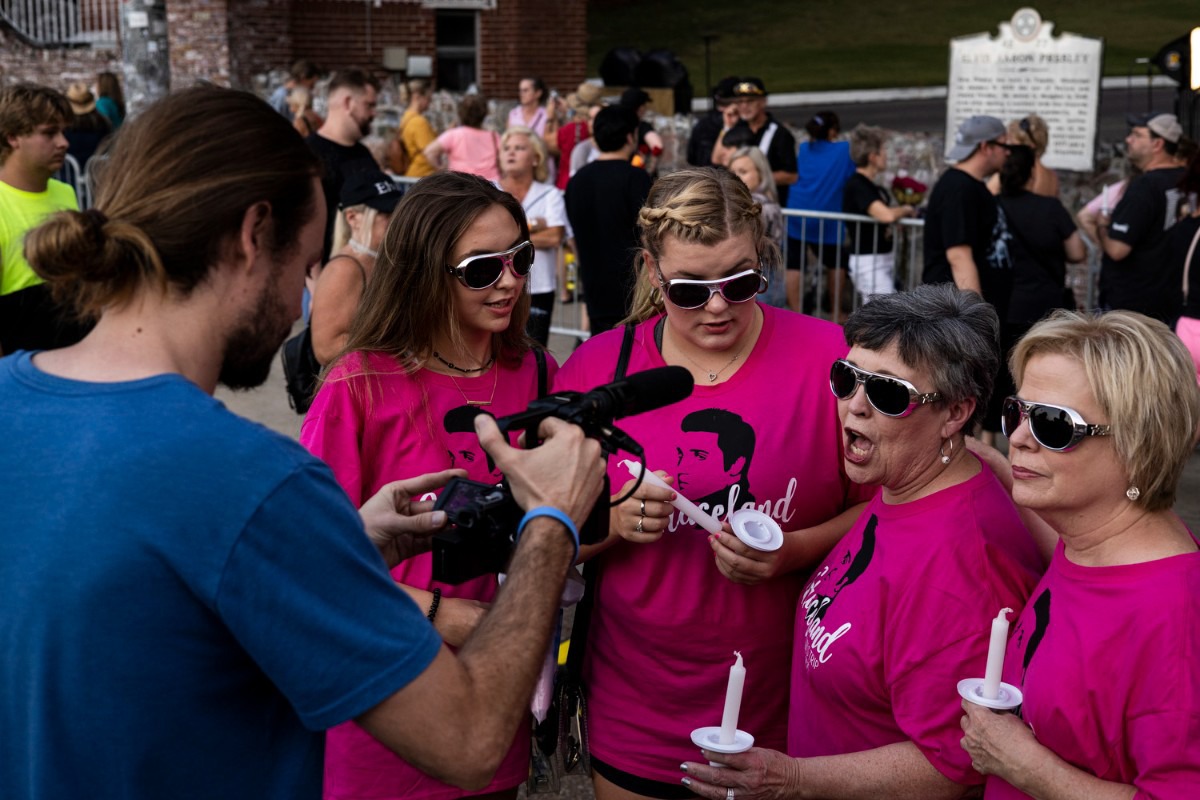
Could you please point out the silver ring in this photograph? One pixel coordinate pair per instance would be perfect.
(729, 793)
(642, 510)
(638, 529)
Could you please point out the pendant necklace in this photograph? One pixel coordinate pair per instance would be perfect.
(469, 401)
(712, 376)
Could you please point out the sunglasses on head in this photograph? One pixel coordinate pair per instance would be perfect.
(1055, 428)
(889, 395)
(483, 270)
(691, 294)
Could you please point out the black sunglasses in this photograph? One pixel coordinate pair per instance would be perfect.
(1056, 428)
(482, 271)
(691, 294)
(887, 394)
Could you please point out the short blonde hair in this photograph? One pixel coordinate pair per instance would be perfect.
(541, 171)
(703, 205)
(1031, 131)
(1143, 379)
(766, 184)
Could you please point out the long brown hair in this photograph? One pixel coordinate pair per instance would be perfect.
(176, 187)
(409, 298)
(705, 206)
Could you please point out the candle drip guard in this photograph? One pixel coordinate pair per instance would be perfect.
(1009, 698)
(709, 738)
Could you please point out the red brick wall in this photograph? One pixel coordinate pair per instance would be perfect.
(260, 38)
(198, 34)
(56, 68)
(542, 38)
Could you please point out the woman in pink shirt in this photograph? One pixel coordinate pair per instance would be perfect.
(468, 147)
(1106, 652)
(898, 612)
(760, 430)
(441, 325)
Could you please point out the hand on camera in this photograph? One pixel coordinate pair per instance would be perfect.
(399, 525)
(565, 472)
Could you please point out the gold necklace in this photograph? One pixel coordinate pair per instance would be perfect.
(469, 401)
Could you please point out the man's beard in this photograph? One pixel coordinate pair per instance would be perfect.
(365, 127)
(251, 346)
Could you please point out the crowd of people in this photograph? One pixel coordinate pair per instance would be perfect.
(209, 609)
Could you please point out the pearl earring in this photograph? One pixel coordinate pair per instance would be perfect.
(945, 455)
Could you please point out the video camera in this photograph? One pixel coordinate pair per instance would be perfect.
(483, 517)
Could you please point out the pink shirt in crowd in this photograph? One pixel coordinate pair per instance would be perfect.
(376, 428)
(897, 614)
(1107, 659)
(472, 150)
(666, 621)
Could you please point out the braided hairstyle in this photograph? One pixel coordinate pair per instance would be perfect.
(704, 205)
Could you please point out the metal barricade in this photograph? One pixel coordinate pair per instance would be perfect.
(825, 287)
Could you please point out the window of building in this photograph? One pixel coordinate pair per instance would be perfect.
(457, 41)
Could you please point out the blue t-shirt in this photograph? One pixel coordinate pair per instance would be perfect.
(824, 170)
(189, 599)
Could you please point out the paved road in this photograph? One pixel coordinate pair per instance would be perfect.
(909, 116)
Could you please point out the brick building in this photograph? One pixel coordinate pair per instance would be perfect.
(491, 43)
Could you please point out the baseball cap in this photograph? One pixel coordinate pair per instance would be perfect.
(1165, 126)
(973, 132)
(371, 188)
(749, 87)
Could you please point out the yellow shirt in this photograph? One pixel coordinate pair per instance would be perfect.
(21, 211)
(417, 134)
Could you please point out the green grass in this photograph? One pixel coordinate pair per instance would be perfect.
(814, 45)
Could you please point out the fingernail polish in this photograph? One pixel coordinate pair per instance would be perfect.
(686, 781)
(683, 767)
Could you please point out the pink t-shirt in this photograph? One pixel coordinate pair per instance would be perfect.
(897, 614)
(666, 621)
(376, 428)
(472, 150)
(1107, 659)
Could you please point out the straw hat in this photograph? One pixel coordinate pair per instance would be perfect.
(588, 94)
(81, 99)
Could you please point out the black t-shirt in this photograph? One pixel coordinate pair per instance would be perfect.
(339, 162)
(780, 150)
(1142, 280)
(1039, 226)
(704, 137)
(857, 196)
(603, 200)
(963, 212)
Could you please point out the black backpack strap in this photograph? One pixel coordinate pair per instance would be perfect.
(626, 351)
(540, 356)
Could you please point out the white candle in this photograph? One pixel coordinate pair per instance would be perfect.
(733, 700)
(995, 659)
(706, 521)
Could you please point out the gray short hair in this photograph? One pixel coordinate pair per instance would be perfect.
(952, 334)
(865, 141)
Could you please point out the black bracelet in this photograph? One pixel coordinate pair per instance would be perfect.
(433, 607)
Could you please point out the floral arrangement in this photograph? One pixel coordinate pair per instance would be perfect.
(908, 191)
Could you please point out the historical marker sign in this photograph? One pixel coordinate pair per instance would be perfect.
(1026, 70)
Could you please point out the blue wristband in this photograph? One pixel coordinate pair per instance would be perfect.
(554, 513)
